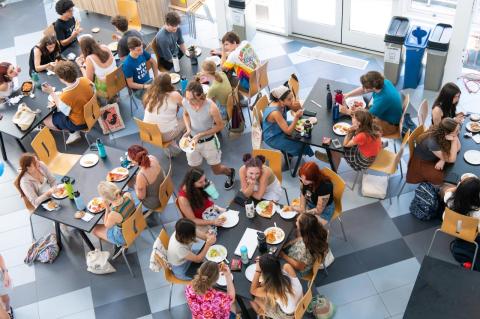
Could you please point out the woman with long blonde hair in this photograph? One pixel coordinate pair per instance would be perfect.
(219, 88)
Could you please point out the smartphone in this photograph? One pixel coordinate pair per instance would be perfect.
(336, 143)
(326, 140)
(309, 113)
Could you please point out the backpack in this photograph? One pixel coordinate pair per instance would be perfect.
(321, 308)
(463, 251)
(408, 124)
(238, 120)
(426, 203)
(44, 250)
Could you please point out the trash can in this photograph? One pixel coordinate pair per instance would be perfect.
(437, 50)
(242, 18)
(394, 38)
(415, 48)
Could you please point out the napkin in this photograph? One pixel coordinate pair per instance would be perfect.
(476, 138)
(249, 239)
(87, 217)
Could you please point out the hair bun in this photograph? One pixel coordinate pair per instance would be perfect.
(246, 157)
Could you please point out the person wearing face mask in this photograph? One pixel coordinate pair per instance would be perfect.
(8, 72)
(258, 180)
(44, 55)
(434, 148)
(386, 105)
(170, 41)
(276, 127)
(445, 104)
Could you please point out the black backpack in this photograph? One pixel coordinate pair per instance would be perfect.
(426, 204)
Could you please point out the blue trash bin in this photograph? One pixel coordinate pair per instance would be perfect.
(415, 48)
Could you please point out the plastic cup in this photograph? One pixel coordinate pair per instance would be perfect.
(211, 190)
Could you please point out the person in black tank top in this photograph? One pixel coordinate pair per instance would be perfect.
(44, 54)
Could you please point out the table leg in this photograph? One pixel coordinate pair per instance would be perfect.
(4, 152)
(243, 308)
(59, 235)
(299, 159)
(87, 240)
(19, 142)
(330, 159)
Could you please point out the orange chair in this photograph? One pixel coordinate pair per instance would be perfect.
(338, 189)
(165, 191)
(150, 133)
(304, 303)
(274, 161)
(132, 227)
(129, 9)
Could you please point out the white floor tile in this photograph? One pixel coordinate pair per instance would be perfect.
(348, 290)
(400, 206)
(368, 308)
(14, 220)
(22, 274)
(396, 300)
(27, 312)
(15, 238)
(269, 52)
(25, 42)
(87, 314)
(15, 256)
(9, 55)
(158, 298)
(395, 275)
(153, 280)
(67, 304)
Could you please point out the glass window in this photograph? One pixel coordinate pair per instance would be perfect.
(364, 8)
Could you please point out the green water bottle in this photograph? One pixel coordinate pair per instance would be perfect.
(36, 80)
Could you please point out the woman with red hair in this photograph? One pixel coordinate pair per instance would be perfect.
(150, 176)
(316, 193)
(7, 73)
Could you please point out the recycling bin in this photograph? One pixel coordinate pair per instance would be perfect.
(437, 51)
(394, 39)
(415, 45)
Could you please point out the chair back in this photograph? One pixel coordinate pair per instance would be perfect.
(50, 30)
(261, 104)
(303, 304)
(460, 226)
(232, 100)
(294, 86)
(338, 189)
(149, 133)
(153, 47)
(164, 238)
(422, 112)
(406, 101)
(273, 160)
(313, 273)
(44, 146)
(165, 190)
(91, 112)
(258, 79)
(115, 82)
(177, 203)
(413, 138)
(398, 156)
(129, 9)
(133, 226)
(169, 276)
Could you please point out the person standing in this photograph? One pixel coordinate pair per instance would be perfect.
(170, 41)
(66, 27)
(121, 25)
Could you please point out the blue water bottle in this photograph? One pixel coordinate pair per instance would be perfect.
(79, 201)
(244, 254)
(101, 149)
(183, 84)
(335, 112)
(36, 80)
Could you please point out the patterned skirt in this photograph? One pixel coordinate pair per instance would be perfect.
(356, 160)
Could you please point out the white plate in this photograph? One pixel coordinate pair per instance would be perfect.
(250, 272)
(474, 130)
(113, 46)
(95, 30)
(187, 149)
(232, 218)
(89, 206)
(64, 193)
(175, 77)
(45, 205)
(120, 171)
(280, 235)
(216, 59)
(89, 160)
(288, 214)
(349, 101)
(198, 51)
(475, 117)
(259, 210)
(222, 253)
(472, 157)
(467, 175)
(222, 280)
(336, 128)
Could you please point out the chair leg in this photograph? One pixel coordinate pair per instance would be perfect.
(355, 181)
(126, 261)
(100, 241)
(86, 137)
(31, 228)
(474, 256)
(151, 233)
(64, 141)
(401, 188)
(170, 297)
(341, 226)
(286, 195)
(325, 269)
(431, 243)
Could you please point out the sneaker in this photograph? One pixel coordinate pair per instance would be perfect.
(73, 137)
(322, 156)
(230, 180)
(117, 251)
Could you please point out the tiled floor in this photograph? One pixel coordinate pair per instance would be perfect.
(374, 270)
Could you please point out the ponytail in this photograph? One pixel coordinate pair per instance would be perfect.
(140, 155)
(207, 275)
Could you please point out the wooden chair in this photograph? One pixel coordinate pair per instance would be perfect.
(177, 204)
(46, 149)
(169, 275)
(310, 277)
(459, 226)
(131, 92)
(115, 82)
(132, 227)
(91, 113)
(129, 9)
(398, 134)
(150, 133)
(338, 189)
(412, 140)
(294, 86)
(152, 46)
(274, 161)
(257, 82)
(422, 113)
(50, 30)
(304, 303)
(165, 191)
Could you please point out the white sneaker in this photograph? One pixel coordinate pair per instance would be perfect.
(73, 137)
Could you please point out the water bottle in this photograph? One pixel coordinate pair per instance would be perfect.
(244, 254)
(176, 63)
(262, 242)
(193, 55)
(329, 98)
(79, 201)
(36, 80)
(68, 182)
(183, 84)
(335, 112)
(101, 149)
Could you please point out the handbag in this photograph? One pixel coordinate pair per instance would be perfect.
(97, 262)
(110, 119)
(44, 250)
(256, 132)
(374, 186)
(24, 117)
(321, 308)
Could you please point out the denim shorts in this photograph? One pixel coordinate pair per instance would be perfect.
(180, 270)
(327, 211)
(115, 236)
(63, 122)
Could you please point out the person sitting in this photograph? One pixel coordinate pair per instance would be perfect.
(118, 208)
(96, 63)
(203, 122)
(35, 182)
(69, 114)
(275, 126)
(239, 57)
(121, 25)
(204, 300)
(280, 292)
(8, 74)
(445, 104)
(135, 67)
(386, 105)
(179, 253)
(258, 180)
(434, 148)
(195, 203)
(220, 87)
(66, 27)
(6, 310)
(465, 197)
(316, 193)
(309, 245)
(162, 102)
(149, 177)
(44, 55)
(170, 41)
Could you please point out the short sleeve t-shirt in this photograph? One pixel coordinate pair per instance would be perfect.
(387, 104)
(137, 68)
(220, 90)
(63, 30)
(311, 196)
(424, 150)
(243, 60)
(368, 145)
(122, 49)
(177, 251)
(168, 42)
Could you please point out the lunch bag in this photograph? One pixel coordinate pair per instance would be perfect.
(44, 250)
(426, 202)
(321, 308)
(97, 262)
(237, 124)
(24, 117)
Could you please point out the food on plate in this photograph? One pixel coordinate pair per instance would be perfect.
(96, 205)
(88, 162)
(287, 208)
(272, 235)
(358, 104)
(266, 208)
(79, 214)
(27, 86)
(474, 126)
(117, 174)
(52, 205)
(184, 142)
(213, 253)
(60, 191)
(341, 128)
(296, 202)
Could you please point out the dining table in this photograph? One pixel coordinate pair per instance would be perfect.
(230, 239)
(86, 181)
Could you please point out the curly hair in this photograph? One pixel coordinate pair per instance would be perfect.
(195, 195)
(139, 154)
(438, 133)
(366, 124)
(207, 275)
(313, 235)
(158, 92)
(63, 6)
(372, 80)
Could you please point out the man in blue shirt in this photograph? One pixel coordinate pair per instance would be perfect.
(386, 105)
(135, 67)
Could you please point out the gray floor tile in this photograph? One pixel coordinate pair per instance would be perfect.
(66, 304)
(396, 300)
(87, 314)
(348, 290)
(343, 267)
(419, 242)
(132, 307)
(178, 312)
(400, 205)
(368, 308)
(61, 283)
(384, 254)
(158, 298)
(408, 224)
(23, 295)
(395, 275)
(279, 62)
